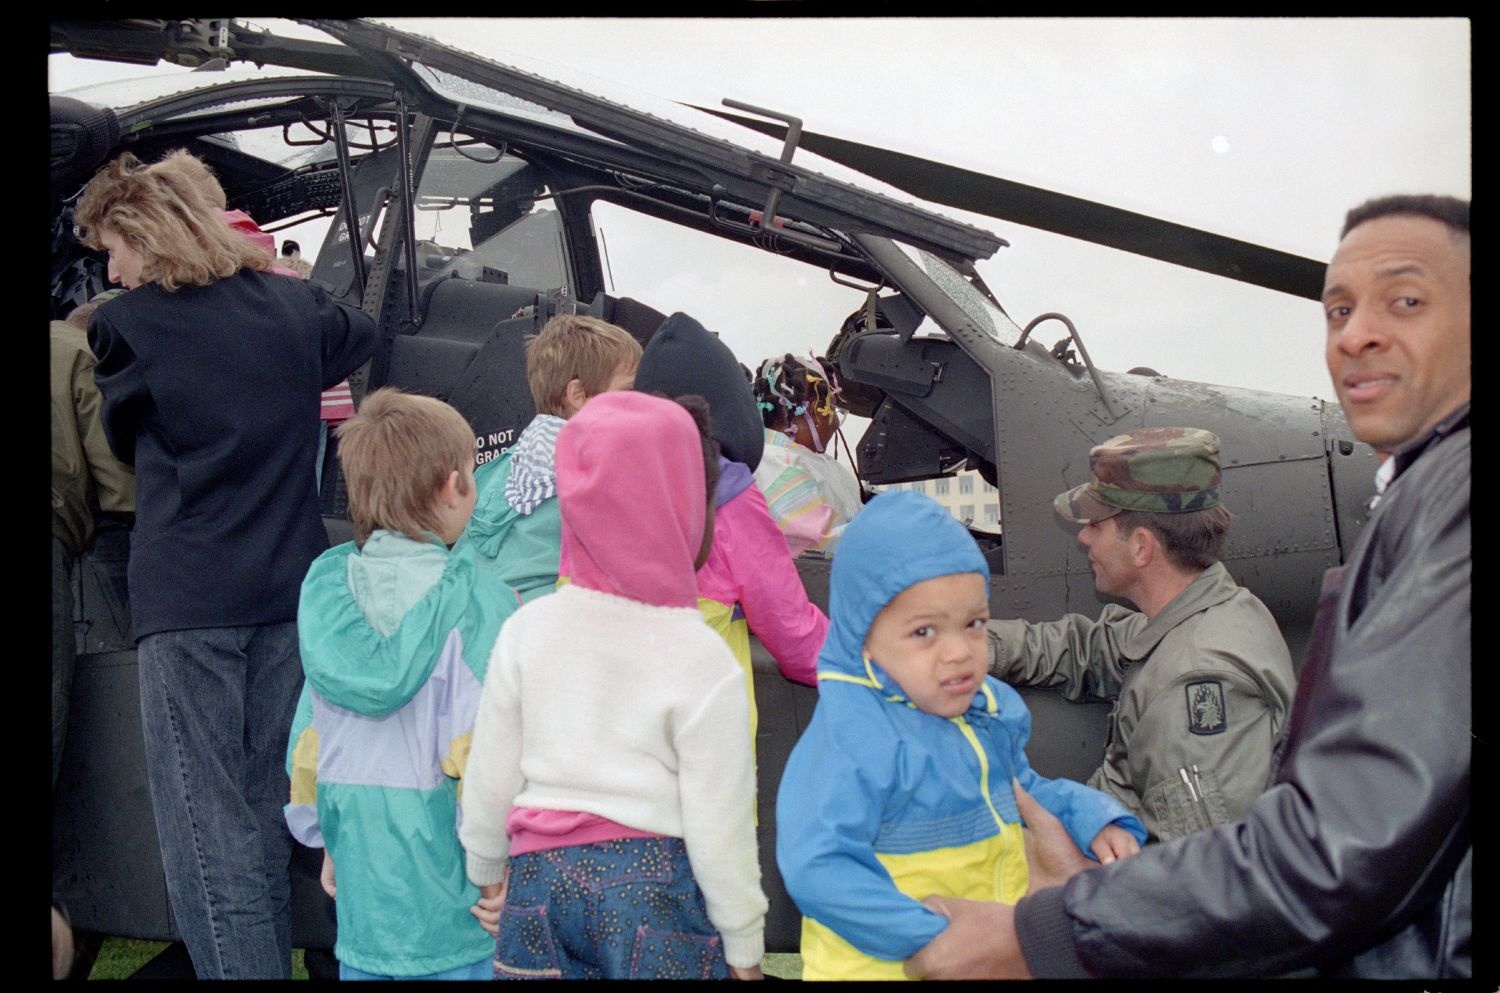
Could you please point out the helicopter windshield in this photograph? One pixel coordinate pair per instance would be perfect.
(481, 207)
(982, 313)
(465, 91)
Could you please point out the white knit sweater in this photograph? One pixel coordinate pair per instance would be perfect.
(632, 712)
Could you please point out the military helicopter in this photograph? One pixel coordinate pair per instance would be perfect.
(458, 196)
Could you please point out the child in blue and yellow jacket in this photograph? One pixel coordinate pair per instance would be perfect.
(396, 632)
(900, 787)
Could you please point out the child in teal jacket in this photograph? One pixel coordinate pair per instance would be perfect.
(516, 530)
(396, 633)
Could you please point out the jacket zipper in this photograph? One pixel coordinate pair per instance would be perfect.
(984, 767)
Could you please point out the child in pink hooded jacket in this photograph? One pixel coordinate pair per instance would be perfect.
(609, 762)
(749, 583)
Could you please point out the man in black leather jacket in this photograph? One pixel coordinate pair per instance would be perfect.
(1357, 860)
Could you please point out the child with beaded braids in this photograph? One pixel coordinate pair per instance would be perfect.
(811, 494)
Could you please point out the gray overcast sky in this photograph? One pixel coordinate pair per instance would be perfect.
(1265, 130)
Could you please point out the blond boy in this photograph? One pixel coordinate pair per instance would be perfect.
(396, 634)
(516, 529)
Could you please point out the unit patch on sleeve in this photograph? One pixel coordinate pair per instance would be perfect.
(1205, 707)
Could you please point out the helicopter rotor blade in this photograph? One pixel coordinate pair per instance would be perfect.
(1061, 214)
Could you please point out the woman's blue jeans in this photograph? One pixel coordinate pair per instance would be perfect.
(217, 706)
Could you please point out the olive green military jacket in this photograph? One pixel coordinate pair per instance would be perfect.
(86, 476)
(1202, 692)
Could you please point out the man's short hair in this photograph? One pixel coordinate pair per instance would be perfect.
(1192, 541)
(576, 346)
(397, 452)
(1446, 210)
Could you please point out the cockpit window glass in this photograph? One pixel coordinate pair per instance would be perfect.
(476, 208)
(466, 91)
(984, 314)
(244, 104)
(270, 145)
(174, 81)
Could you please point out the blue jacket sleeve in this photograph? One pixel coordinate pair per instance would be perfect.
(827, 815)
(1083, 810)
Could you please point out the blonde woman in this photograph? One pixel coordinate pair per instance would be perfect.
(210, 369)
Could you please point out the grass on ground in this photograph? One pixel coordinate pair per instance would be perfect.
(782, 965)
(119, 958)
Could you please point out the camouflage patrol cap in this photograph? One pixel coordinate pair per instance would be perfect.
(1153, 470)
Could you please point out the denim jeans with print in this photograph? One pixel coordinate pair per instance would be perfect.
(217, 706)
(626, 909)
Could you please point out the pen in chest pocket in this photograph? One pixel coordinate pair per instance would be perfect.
(1192, 790)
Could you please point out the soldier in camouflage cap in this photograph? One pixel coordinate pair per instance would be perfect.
(1154, 470)
(1201, 676)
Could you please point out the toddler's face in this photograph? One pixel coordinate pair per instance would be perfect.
(931, 640)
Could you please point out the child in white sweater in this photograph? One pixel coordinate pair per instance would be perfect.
(610, 761)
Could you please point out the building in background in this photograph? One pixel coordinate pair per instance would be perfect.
(966, 496)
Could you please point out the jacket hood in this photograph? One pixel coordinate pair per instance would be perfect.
(734, 479)
(898, 540)
(533, 477)
(631, 488)
(493, 514)
(684, 357)
(245, 226)
(354, 666)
